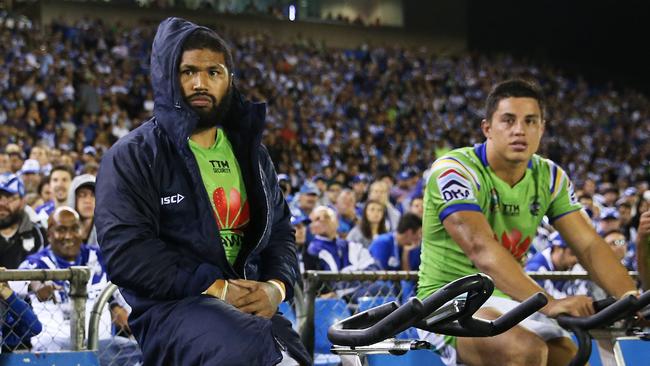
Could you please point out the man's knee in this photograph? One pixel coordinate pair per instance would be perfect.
(561, 351)
(517, 346)
(205, 330)
(528, 350)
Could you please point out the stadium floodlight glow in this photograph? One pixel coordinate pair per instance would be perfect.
(292, 12)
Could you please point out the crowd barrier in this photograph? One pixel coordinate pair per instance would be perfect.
(323, 298)
(329, 297)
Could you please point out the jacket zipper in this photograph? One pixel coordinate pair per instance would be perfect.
(266, 222)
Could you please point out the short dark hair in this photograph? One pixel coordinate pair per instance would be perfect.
(585, 195)
(625, 204)
(62, 167)
(409, 221)
(515, 88)
(204, 39)
(614, 231)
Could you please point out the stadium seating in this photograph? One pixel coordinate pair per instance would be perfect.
(86, 358)
(327, 312)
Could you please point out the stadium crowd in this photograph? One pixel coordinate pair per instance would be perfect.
(351, 131)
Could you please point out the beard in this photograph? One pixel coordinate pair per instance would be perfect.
(11, 219)
(215, 116)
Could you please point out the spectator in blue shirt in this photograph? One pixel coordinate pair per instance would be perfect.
(557, 257)
(19, 323)
(400, 250)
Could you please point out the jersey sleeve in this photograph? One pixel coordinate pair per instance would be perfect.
(452, 187)
(563, 197)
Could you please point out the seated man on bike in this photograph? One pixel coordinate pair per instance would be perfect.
(482, 206)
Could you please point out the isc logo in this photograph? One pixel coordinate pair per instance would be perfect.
(177, 198)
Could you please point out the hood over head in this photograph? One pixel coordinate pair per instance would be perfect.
(171, 111)
(78, 182)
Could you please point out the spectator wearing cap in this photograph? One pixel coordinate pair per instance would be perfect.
(557, 257)
(300, 224)
(609, 220)
(321, 183)
(630, 196)
(60, 179)
(409, 187)
(88, 156)
(81, 197)
(21, 236)
(403, 188)
(16, 156)
(360, 185)
(30, 174)
(306, 201)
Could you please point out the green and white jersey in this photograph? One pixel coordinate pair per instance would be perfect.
(224, 183)
(462, 180)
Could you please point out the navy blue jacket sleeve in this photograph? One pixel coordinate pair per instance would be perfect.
(279, 260)
(20, 322)
(126, 216)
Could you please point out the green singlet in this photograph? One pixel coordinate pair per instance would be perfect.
(462, 180)
(223, 181)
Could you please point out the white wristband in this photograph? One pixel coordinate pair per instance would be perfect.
(631, 292)
(224, 291)
(282, 292)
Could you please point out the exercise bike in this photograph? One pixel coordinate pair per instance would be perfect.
(444, 312)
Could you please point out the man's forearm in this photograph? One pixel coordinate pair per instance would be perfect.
(508, 276)
(475, 237)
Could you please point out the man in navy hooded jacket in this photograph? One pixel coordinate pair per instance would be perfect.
(190, 218)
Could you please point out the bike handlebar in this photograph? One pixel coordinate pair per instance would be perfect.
(580, 326)
(608, 315)
(395, 321)
(379, 323)
(468, 326)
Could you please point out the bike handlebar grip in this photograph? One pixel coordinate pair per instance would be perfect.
(395, 322)
(602, 304)
(369, 317)
(644, 300)
(610, 314)
(519, 313)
